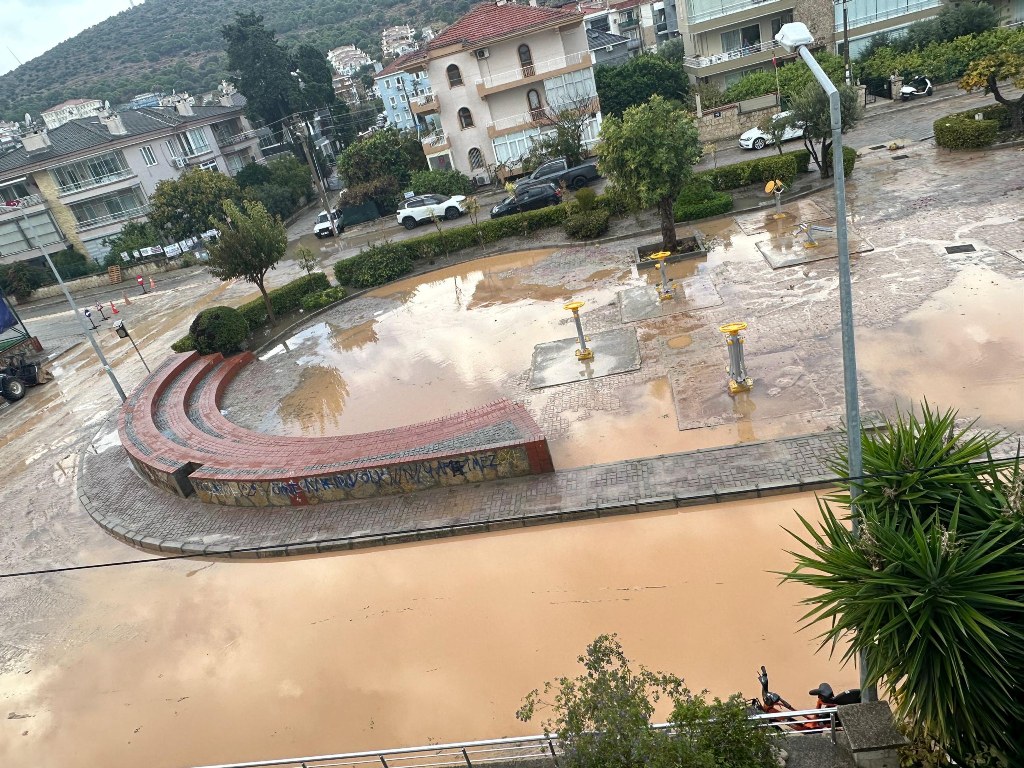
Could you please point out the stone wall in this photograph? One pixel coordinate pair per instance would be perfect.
(101, 280)
(61, 213)
(731, 120)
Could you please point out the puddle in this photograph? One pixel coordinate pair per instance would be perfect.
(680, 342)
(315, 405)
(263, 660)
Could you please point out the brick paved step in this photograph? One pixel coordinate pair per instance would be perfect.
(176, 435)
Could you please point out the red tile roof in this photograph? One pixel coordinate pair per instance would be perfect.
(489, 21)
(399, 64)
(625, 5)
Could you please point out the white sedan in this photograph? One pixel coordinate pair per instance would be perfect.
(755, 138)
(420, 208)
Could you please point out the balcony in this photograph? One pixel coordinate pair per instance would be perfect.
(661, 28)
(874, 18)
(704, 15)
(625, 24)
(704, 62)
(436, 143)
(96, 181)
(112, 218)
(515, 122)
(226, 139)
(536, 72)
(22, 203)
(424, 104)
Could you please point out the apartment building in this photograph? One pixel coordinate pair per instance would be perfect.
(398, 83)
(495, 74)
(347, 59)
(397, 41)
(72, 109)
(726, 39)
(79, 183)
(867, 18)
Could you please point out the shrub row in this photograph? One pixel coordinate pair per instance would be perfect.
(218, 329)
(587, 225)
(441, 183)
(958, 132)
(759, 171)
(803, 160)
(321, 299)
(698, 201)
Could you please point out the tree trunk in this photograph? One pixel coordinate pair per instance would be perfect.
(1015, 108)
(826, 158)
(266, 303)
(668, 224)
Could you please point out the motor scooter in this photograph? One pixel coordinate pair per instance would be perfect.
(772, 703)
(918, 86)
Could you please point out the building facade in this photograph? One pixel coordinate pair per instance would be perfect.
(496, 75)
(79, 183)
(347, 59)
(397, 85)
(398, 41)
(72, 109)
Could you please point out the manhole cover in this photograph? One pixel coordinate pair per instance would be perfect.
(959, 248)
(878, 146)
(900, 157)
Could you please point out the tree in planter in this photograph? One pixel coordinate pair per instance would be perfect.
(811, 107)
(986, 72)
(250, 245)
(603, 719)
(186, 206)
(649, 156)
(306, 260)
(933, 587)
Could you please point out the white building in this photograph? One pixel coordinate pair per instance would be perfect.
(347, 59)
(72, 109)
(397, 41)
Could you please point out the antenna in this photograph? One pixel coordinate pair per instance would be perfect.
(12, 54)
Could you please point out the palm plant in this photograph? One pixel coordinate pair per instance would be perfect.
(933, 586)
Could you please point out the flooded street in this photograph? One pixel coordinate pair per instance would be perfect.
(403, 645)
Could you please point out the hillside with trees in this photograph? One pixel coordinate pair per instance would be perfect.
(165, 45)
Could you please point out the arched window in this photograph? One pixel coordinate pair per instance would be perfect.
(476, 158)
(533, 101)
(526, 60)
(465, 118)
(454, 76)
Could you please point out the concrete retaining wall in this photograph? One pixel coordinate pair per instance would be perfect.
(101, 280)
(731, 120)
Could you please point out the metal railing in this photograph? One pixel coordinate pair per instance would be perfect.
(537, 68)
(524, 118)
(467, 754)
(903, 10)
(435, 139)
(698, 62)
(25, 202)
(110, 218)
(423, 98)
(95, 181)
(705, 13)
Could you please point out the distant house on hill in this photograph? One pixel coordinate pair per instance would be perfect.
(72, 109)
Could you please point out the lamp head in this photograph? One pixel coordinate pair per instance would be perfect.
(793, 35)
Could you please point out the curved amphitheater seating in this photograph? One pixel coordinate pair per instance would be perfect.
(176, 436)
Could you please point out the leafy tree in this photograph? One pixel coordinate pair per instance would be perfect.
(793, 79)
(261, 65)
(649, 156)
(306, 260)
(811, 107)
(933, 586)
(253, 174)
(190, 204)
(250, 245)
(565, 137)
(133, 236)
(953, 21)
(985, 73)
(71, 263)
(377, 168)
(317, 86)
(672, 51)
(635, 81)
(603, 719)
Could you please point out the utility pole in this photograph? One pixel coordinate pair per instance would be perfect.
(846, 41)
(306, 131)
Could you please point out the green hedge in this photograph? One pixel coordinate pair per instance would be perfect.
(440, 183)
(758, 171)
(184, 344)
(958, 132)
(587, 225)
(321, 299)
(849, 159)
(376, 265)
(219, 329)
(803, 160)
(698, 201)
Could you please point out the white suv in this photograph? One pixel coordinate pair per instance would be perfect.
(322, 227)
(418, 209)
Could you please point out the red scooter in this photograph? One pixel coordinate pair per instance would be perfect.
(772, 703)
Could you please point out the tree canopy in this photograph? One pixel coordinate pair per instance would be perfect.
(635, 81)
(261, 66)
(192, 203)
(250, 244)
(379, 166)
(811, 107)
(987, 72)
(649, 155)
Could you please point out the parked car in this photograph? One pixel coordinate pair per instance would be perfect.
(557, 171)
(528, 199)
(420, 208)
(755, 138)
(918, 86)
(322, 227)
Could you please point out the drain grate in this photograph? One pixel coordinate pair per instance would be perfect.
(959, 248)
(878, 146)
(900, 157)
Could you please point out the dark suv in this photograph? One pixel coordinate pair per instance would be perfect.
(529, 199)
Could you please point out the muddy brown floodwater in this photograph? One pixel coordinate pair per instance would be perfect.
(393, 647)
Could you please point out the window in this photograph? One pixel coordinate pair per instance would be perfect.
(147, 156)
(741, 39)
(117, 206)
(387, 83)
(454, 76)
(192, 142)
(476, 158)
(777, 23)
(600, 24)
(465, 118)
(97, 170)
(404, 97)
(209, 165)
(526, 61)
(393, 101)
(533, 102)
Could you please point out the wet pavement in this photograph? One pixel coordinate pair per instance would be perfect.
(346, 651)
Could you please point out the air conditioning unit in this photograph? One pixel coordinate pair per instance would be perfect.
(482, 53)
(482, 180)
(178, 162)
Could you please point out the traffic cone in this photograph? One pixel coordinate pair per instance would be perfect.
(113, 309)
(127, 301)
(152, 284)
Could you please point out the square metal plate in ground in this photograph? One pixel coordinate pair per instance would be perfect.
(763, 219)
(615, 351)
(789, 250)
(965, 248)
(642, 302)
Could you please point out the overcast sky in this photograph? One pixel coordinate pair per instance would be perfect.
(31, 27)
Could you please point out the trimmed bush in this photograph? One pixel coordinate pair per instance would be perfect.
(441, 183)
(321, 299)
(698, 201)
(219, 329)
(849, 159)
(377, 265)
(775, 167)
(803, 160)
(184, 344)
(956, 132)
(285, 299)
(585, 199)
(586, 225)
(613, 201)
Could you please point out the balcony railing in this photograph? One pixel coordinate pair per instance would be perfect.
(705, 10)
(225, 139)
(96, 181)
(629, 23)
(424, 103)
(537, 68)
(699, 62)
(110, 218)
(23, 202)
(871, 18)
(435, 142)
(525, 119)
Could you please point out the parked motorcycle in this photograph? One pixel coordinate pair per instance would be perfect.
(918, 86)
(11, 388)
(773, 703)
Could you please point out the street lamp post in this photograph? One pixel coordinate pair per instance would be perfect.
(796, 37)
